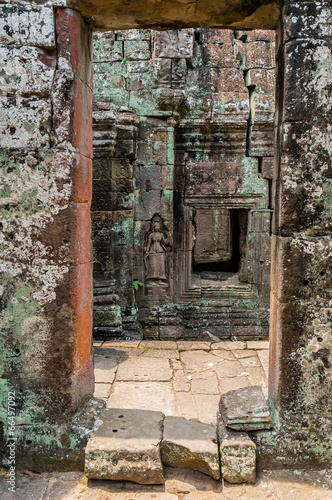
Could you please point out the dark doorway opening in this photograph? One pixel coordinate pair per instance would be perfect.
(238, 229)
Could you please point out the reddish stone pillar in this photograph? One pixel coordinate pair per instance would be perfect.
(300, 387)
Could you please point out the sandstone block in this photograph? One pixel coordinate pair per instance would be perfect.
(190, 444)
(267, 167)
(255, 54)
(136, 49)
(230, 107)
(312, 83)
(262, 107)
(74, 52)
(162, 71)
(121, 168)
(256, 35)
(238, 455)
(245, 409)
(263, 79)
(30, 25)
(72, 102)
(179, 72)
(126, 447)
(109, 55)
(230, 80)
(107, 317)
(133, 34)
(219, 57)
(262, 137)
(28, 70)
(307, 20)
(139, 67)
(304, 180)
(215, 35)
(174, 43)
(27, 124)
(103, 41)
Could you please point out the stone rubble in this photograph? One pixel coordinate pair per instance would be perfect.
(245, 409)
(190, 444)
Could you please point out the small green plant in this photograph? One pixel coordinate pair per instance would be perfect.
(137, 284)
(124, 72)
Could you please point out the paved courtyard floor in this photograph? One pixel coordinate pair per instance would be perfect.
(183, 378)
(178, 378)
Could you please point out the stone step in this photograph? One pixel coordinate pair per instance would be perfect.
(125, 447)
(190, 444)
(107, 332)
(133, 445)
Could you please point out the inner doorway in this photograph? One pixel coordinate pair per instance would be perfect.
(183, 154)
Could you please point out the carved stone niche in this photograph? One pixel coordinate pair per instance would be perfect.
(156, 260)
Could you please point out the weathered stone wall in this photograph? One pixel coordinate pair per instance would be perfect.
(46, 149)
(183, 126)
(301, 337)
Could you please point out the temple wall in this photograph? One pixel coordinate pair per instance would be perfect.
(183, 132)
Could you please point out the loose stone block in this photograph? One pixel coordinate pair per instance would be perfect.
(190, 444)
(238, 455)
(174, 43)
(245, 409)
(126, 447)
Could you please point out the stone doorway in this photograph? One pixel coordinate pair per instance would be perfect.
(46, 227)
(182, 198)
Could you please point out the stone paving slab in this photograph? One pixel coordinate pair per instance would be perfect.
(156, 396)
(161, 353)
(228, 345)
(144, 369)
(159, 344)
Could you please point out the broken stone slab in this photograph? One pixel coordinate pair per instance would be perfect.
(245, 409)
(190, 444)
(126, 447)
(237, 455)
